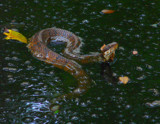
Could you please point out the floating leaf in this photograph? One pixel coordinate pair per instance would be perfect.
(124, 79)
(57, 111)
(134, 52)
(106, 11)
(11, 34)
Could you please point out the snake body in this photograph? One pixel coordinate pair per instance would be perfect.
(71, 56)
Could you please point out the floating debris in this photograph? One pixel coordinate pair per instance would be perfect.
(134, 52)
(57, 111)
(106, 11)
(124, 79)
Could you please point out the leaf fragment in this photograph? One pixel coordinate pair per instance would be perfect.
(134, 52)
(57, 111)
(106, 11)
(124, 79)
(14, 35)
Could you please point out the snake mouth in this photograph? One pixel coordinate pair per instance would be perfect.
(109, 51)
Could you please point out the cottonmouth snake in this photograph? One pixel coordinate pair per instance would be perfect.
(68, 62)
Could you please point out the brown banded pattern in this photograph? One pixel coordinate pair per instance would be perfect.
(38, 47)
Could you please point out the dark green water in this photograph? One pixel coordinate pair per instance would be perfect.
(27, 85)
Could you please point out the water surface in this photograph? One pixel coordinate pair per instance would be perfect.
(28, 85)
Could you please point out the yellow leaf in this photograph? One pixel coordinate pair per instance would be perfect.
(124, 79)
(14, 35)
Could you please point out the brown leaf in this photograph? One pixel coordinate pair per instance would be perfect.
(106, 11)
(124, 79)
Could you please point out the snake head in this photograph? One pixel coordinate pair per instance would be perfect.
(14, 35)
(108, 51)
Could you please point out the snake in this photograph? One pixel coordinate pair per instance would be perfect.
(69, 61)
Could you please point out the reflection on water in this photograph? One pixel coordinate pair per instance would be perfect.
(27, 85)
